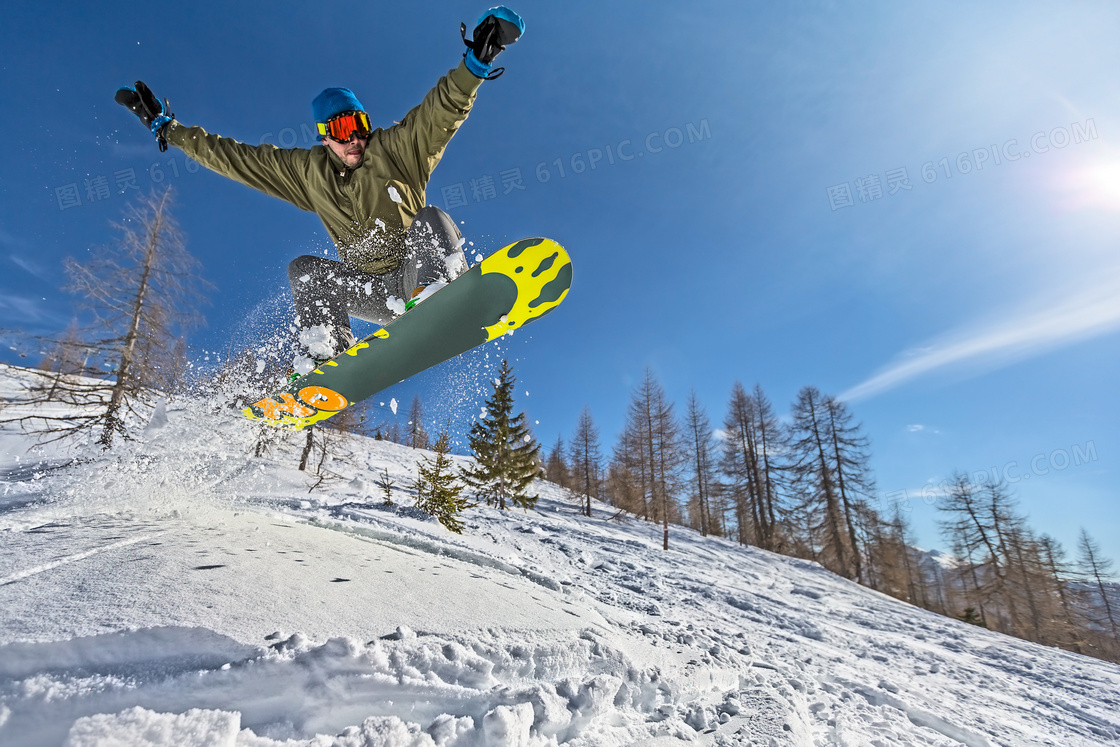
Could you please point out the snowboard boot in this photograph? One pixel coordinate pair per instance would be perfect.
(315, 347)
(303, 365)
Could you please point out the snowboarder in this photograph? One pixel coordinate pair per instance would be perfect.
(366, 185)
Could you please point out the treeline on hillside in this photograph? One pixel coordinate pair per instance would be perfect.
(1010, 579)
(802, 486)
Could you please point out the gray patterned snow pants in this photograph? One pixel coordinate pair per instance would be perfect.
(329, 292)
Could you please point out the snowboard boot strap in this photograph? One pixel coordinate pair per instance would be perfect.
(421, 293)
(414, 299)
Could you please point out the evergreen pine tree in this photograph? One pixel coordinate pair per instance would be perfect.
(386, 485)
(505, 453)
(437, 486)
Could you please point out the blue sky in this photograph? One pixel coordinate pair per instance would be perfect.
(914, 207)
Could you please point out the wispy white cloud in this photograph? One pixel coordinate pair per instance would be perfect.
(20, 249)
(30, 267)
(24, 308)
(1090, 312)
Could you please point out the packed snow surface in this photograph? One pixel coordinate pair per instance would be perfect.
(181, 591)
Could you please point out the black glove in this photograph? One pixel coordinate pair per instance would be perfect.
(497, 28)
(144, 104)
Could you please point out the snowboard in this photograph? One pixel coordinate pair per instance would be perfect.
(507, 290)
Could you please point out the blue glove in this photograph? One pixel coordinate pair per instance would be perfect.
(144, 104)
(497, 28)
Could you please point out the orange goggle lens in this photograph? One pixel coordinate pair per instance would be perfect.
(344, 125)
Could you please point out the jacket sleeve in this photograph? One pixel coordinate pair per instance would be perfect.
(280, 172)
(417, 143)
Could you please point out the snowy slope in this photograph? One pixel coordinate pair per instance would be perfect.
(182, 592)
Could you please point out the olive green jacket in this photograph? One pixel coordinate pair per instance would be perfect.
(366, 209)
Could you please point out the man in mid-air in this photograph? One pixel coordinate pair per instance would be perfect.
(366, 185)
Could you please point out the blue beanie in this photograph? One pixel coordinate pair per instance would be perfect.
(334, 101)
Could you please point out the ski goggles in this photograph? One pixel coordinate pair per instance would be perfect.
(345, 125)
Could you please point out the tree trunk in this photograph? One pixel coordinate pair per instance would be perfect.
(113, 422)
(307, 448)
(844, 495)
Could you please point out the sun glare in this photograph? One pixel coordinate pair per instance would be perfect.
(1095, 185)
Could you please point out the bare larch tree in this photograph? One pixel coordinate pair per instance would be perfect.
(140, 297)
